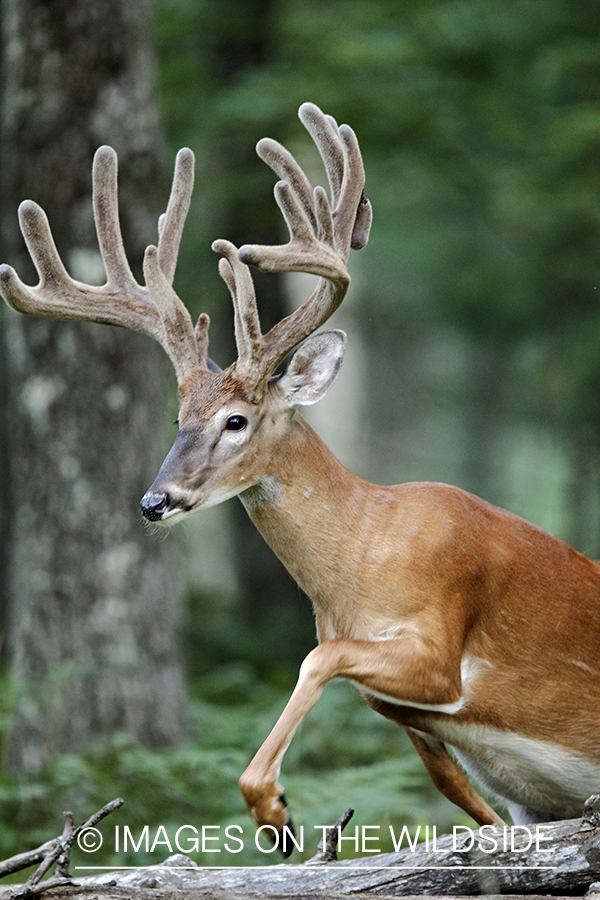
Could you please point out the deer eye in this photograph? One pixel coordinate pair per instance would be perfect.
(236, 423)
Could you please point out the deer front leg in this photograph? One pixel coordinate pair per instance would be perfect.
(260, 788)
(409, 669)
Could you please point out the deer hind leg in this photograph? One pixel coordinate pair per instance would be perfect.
(450, 780)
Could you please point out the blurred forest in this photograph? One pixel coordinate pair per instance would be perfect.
(474, 351)
(473, 316)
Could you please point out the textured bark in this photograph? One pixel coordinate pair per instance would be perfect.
(569, 865)
(92, 610)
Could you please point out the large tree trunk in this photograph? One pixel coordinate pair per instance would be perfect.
(92, 607)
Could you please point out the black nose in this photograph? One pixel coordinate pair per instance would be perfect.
(154, 505)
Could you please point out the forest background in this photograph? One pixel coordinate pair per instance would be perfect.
(474, 358)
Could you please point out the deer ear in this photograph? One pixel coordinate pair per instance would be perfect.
(313, 368)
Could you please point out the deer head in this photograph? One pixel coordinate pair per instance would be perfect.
(227, 419)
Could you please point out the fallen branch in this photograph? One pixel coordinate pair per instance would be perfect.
(327, 850)
(24, 860)
(56, 851)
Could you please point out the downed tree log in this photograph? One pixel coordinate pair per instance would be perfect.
(564, 859)
(56, 851)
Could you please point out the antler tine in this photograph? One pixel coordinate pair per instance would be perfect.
(179, 337)
(283, 163)
(237, 277)
(42, 249)
(186, 346)
(40, 243)
(311, 247)
(325, 133)
(171, 227)
(201, 331)
(105, 200)
(351, 193)
(121, 301)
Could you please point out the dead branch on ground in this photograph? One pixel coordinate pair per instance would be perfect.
(55, 851)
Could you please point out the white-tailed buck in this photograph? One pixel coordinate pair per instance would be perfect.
(468, 626)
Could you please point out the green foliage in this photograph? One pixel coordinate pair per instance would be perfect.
(480, 125)
(343, 756)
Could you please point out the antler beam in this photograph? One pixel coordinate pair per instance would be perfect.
(154, 309)
(322, 232)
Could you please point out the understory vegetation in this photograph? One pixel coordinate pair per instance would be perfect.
(344, 756)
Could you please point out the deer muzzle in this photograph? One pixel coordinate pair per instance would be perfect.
(174, 488)
(154, 505)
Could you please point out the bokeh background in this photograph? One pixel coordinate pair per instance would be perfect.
(151, 664)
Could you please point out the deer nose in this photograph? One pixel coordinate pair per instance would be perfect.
(154, 505)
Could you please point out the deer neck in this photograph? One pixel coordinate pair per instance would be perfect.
(306, 507)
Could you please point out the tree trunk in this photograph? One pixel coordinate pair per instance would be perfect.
(92, 607)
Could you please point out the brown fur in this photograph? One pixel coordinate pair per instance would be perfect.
(202, 393)
(453, 576)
